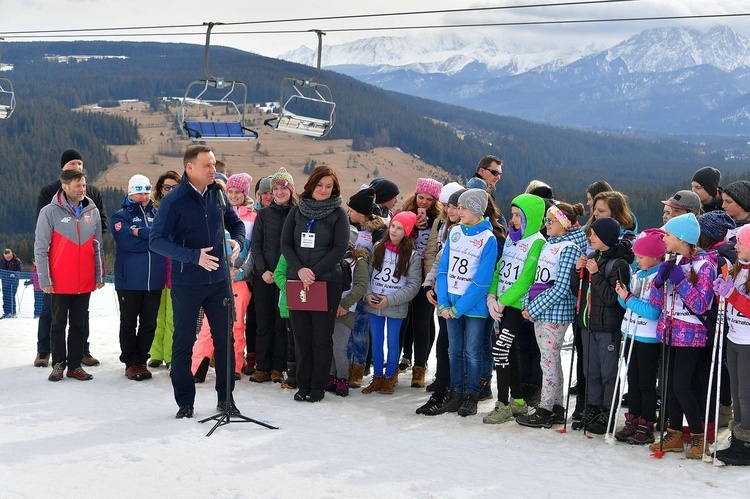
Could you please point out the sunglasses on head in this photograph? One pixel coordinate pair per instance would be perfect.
(167, 187)
(142, 188)
(496, 173)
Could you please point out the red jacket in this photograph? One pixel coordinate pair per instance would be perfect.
(68, 249)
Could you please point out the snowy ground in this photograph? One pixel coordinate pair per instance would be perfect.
(112, 437)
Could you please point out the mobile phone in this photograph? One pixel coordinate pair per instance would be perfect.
(376, 299)
(619, 277)
(421, 211)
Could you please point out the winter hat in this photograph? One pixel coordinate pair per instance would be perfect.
(428, 186)
(740, 192)
(607, 230)
(474, 200)
(743, 236)
(362, 201)
(685, 200)
(139, 184)
(263, 185)
(385, 190)
(406, 218)
(453, 199)
(283, 178)
(241, 182)
(709, 178)
(650, 242)
(449, 189)
(685, 227)
(543, 191)
(715, 224)
(476, 183)
(69, 155)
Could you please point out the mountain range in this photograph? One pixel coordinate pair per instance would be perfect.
(666, 80)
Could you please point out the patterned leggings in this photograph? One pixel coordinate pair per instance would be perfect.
(549, 337)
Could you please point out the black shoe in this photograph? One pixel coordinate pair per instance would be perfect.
(186, 411)
(430, 387)
(532, 394)
(200, 373)
(430, 408)
(598, 423)
(589, 416)
(452, 402)
(221, 406)
(485, 389)
(316, 395)
(469, 407)
(574, 389)
(559, 414)
(540, 418)
(624, 399)
(579, 409)
(301, 395)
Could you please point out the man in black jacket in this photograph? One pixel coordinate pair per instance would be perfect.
(70, 160)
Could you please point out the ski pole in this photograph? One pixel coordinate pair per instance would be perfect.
(666, 351)
(573, 351)
(711, 381)
(564, 429)
(719, 360)
(586, 415)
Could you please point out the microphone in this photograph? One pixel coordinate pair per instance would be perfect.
(220, 199)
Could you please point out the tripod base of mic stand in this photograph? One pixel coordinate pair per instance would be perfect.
(227, 417)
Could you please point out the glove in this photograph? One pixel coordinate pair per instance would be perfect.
(27, 283)
(661, 275)
(676, 275)
(496, 308)
(724, 287)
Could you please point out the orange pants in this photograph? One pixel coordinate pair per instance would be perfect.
(204, 345)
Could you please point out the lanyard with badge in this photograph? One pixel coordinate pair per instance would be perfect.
(308, 238)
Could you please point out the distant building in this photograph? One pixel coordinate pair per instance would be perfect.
(66, 59)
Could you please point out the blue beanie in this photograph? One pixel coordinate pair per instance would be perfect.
(685, 227)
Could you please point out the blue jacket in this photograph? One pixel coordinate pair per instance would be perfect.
(188, 221)
(473, 303)
(136, 266)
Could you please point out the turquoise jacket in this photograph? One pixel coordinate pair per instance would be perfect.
(473, 303)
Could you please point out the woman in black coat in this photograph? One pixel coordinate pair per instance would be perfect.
(314, 240)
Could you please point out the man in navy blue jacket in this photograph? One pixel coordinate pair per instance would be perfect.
(188, 229)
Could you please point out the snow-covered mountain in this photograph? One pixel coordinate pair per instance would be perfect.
(435, 54)
(665, 79)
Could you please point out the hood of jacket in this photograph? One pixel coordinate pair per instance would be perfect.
(624, 250)
(533, 209)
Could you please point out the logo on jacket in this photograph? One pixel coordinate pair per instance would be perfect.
(456, 236)
(137, 219)
(118, 226)
(87, 218)
(524, 247)
(478, 243)
(66, 220)
(554, 251)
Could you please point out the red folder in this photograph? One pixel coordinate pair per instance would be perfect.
(314, 299)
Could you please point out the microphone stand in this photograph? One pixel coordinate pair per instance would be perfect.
(231, 414)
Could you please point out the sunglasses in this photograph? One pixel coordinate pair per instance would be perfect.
(548, 221)
(496, 173)
(142, 188)
(167, 187)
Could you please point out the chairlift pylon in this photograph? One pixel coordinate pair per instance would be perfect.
(7, 95)
(306, 106)
(199, 130)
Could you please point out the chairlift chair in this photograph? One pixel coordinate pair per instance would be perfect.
(7, 98)
(307, 107)
(7, 95)
(199, 130)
